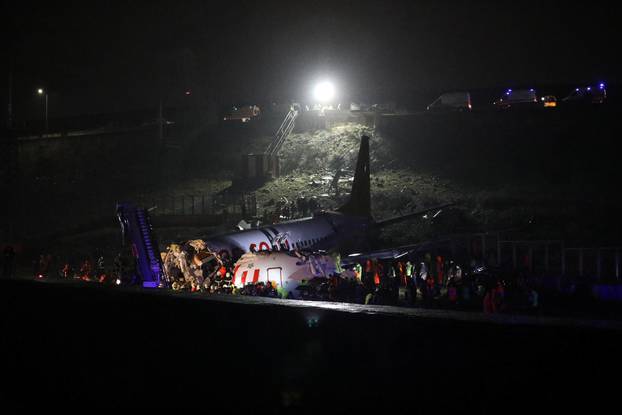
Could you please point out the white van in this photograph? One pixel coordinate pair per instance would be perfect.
(451, 101)
(517, 98)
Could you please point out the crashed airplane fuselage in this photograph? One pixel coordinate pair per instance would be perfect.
(323, 231)
(285, 270)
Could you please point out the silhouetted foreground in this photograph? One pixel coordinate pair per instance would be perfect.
(77, 345)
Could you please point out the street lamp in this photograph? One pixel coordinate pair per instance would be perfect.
(41, 92)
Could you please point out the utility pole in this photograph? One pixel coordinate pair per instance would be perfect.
(44, 94)
(46, 112)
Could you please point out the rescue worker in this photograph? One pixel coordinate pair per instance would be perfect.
(85, 270)
(452, 293)
(499, 297)
(440, 271)
(369, 298)
(8, 261)
(410, 276)
(337, 258)
(369, 274)
(404, 279)
(358, 270)
(302, 205)
(44, 265)
(488, 302)
(422, 280)
(532, 297)
(100, 271)
(335, 182)
(313, 205)
(458, 273)
(66, 271)
(118, 266)
(378, 270)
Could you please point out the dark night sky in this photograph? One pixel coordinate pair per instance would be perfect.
(122, 55)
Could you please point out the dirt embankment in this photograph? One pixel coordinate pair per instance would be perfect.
(534, 171)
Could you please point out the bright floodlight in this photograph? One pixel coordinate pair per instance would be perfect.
(324, 91)
(40, 91)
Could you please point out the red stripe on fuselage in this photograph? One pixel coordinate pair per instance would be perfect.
(235, 271)
(244, 277)
(256, 276)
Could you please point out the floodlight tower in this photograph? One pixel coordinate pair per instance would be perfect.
(324, 91)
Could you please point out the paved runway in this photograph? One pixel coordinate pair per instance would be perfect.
(83, 344)
(396, 311)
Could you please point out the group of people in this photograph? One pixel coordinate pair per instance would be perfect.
(437, 281)
(429, 281)
(89, 268)
(285, 209)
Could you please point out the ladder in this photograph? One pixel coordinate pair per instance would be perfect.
(282, 133)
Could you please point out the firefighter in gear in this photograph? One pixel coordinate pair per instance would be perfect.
(440, 271)
(358, 270)
(86, 269)
(337, 258)
(66, 271)
(377, 273)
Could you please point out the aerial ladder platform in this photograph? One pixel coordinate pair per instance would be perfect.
(137, 230)
(258, 167)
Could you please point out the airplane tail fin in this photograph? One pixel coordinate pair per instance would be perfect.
(359, 203)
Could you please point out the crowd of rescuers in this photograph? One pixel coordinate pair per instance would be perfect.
(425, 281)
(91, 268)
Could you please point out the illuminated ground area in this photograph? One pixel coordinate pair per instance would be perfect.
(74, 345)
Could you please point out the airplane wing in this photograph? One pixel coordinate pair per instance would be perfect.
(393, 253)
(436, 209)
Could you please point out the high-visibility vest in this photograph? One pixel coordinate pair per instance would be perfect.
(409, 269)
(358, 269)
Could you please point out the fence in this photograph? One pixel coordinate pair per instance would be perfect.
(244, 204)
(552, 256)
(543, 257)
